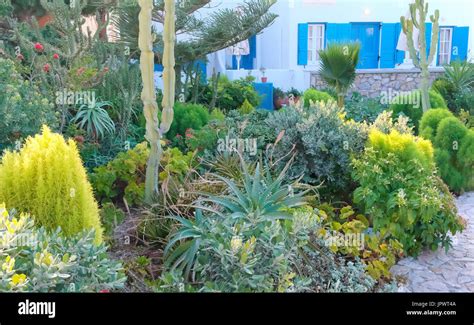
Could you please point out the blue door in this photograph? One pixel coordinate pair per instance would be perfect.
(368, 34)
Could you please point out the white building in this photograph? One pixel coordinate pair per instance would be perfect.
(287, 50)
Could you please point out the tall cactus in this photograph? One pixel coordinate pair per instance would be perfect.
(150, 107)
(419, 12)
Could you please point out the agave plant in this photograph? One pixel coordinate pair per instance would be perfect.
(460, 74)
(259, 201)
(338, 67)
(94, 119)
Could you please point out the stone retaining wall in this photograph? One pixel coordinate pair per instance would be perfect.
(372, 82)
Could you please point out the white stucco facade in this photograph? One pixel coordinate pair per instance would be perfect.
(277, 46)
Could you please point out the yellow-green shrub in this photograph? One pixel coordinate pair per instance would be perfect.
(46, 179)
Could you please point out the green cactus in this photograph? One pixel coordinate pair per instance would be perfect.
(154, 131)
(418, 13)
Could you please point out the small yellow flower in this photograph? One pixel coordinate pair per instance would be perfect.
(9, 264)
(18, 279)
(236, 243)
(45, 258)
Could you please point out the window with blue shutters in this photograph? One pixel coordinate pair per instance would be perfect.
(302, 44)
(247, 62)
(460, 43)
(389, 55)
(338, 33)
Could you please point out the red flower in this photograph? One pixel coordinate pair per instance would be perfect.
(104, 291)
(46, 67)
(189, 133)
(20, 57)
(39, 47)
(56, 56)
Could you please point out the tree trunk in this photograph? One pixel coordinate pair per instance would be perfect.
(425, 89)
(150, 107)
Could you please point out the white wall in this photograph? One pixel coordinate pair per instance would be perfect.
(282, 36)
(277, 45)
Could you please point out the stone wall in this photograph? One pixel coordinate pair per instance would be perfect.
(372, 82)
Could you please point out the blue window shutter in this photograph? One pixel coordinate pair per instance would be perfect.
(400, 55)
(338, 33)
(429, 27)
(302, 44)
(388, 50)
(460, 43)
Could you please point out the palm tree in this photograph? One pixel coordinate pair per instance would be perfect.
(338, 67)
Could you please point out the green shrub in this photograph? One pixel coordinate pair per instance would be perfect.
(124, 177)
(187, 116)
(39, 260)
(415, 112)
(46, 178)
(217, 115)
(430, 121)
(323, 143)
(466, 159)
(399, 190)
(377, 253)
(230, 94)
(261, 248)
(313, 95)
(111, 217)
(447, 91)
(385, 124)
(449, 133)
(23, 109)
(361, 108)
(246, 108)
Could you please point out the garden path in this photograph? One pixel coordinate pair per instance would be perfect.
(440, 271)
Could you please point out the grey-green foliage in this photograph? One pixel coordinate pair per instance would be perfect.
(322, 140)
(250, 241)
(22, 107)
(51, 262)
(384, 123)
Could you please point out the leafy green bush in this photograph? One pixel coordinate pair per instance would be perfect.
(250, 244)
(246, 108)
(313, 95)
(124, 177)
(449, 133)
(38, 260)
(23, 109)
(230, 94)
(399, 190)
(361, 108)
(46, 178)
(430, 121)
(187, 116)
(453, 142)
(404, 106)
(376, 252)
(323, 143)
(385, 124)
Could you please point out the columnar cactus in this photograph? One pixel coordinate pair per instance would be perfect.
(419, 11)
(153, 129)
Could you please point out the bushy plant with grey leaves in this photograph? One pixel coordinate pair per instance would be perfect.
(323, 143)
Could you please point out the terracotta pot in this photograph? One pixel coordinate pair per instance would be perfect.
(44, 20)
(264, 79)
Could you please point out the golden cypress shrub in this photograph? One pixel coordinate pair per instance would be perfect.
(46, 178)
